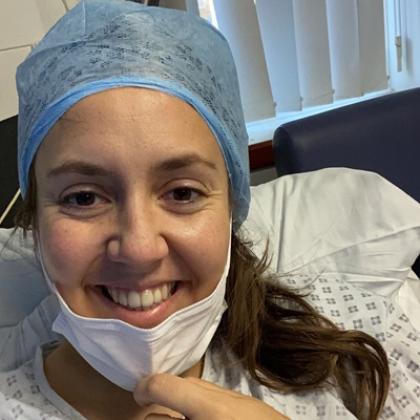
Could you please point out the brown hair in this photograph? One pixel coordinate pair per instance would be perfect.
(279, 338)
(287, 345)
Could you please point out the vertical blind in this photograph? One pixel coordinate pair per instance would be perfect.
(293, 54)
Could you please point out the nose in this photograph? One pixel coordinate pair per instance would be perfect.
(138, 240)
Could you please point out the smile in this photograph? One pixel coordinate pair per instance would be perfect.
(140, 301)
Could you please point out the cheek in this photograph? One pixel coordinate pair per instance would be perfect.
(205, 251)
(66, 250)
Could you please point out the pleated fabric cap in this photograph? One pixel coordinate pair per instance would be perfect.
(104, 44)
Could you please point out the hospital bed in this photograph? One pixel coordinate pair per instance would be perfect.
(331, 220)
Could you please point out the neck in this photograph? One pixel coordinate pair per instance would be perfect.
(72, 378)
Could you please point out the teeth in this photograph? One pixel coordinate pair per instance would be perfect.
(147, 299)
(142, 300)
(165, 292)
(114, 294)
(134, 300)
(157, 295)
(123, 298)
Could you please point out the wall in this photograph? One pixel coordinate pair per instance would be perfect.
(22, 24)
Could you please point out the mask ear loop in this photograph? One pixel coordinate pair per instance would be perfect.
(38, 254)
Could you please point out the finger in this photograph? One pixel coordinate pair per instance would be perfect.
(161, 417)
(159, 410)
(180, 394)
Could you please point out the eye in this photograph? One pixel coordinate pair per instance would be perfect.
(185, 195)
(81, 199)
(182, 194)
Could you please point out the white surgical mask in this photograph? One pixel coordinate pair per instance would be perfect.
(124, 354)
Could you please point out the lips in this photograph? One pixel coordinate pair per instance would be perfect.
(140, 301)
(138, 315)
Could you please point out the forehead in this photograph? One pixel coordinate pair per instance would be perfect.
(131, 106)
(127, 123)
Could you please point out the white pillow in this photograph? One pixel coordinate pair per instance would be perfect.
(338, 220)
(22, 285)
(332, 220)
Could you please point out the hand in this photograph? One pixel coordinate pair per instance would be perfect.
(197, 399)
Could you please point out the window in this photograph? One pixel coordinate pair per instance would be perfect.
(299, 57)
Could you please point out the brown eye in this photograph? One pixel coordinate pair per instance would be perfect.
(182, 194)
(184, 199)
(81, 198)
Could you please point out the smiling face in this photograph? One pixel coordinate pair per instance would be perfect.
(133, 211)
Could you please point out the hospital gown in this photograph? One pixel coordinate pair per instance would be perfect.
(26, 394)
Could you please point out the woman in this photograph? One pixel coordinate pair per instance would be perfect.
(133, 167)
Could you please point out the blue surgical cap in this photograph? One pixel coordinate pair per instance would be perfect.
(100, 45)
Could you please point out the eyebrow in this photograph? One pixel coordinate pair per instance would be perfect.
(79, 167)
(91, 169)
(183, 161)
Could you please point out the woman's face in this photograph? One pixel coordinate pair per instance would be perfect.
(132, 209)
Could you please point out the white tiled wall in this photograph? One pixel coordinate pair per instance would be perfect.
(9, 60)
(22, 24)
